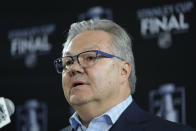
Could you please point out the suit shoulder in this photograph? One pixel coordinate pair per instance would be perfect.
(157, 123)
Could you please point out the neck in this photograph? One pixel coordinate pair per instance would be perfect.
(91, 110)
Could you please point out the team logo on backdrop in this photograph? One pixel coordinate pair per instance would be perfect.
(163, 21)
(168, 102)
(30, 42)
(96, 12)
(32, 116)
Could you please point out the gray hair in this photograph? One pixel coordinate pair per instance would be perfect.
(122, 43)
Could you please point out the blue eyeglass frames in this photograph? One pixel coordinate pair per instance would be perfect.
(84, 59)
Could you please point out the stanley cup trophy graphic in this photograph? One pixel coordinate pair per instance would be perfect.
(167, 109)
(168, 102)
(32, 116)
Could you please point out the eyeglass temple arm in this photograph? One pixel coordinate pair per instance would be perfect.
(108, 55)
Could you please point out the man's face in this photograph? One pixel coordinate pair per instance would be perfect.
(95, 84)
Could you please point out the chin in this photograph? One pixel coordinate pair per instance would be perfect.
(78, 100)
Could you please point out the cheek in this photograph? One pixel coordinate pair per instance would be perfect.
(104, 76)
(65, 84)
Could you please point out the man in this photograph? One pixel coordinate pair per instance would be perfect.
(98, 78)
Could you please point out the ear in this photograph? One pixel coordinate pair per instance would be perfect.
(125, 71)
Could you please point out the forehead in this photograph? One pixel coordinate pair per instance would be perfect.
(89, 40)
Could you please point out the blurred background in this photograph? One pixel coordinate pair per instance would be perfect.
(32, 34)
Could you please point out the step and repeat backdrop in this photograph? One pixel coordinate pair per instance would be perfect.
(163, 44)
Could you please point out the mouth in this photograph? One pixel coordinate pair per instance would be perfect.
(78, 83)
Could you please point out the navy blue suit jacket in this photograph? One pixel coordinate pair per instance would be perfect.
(135, 119)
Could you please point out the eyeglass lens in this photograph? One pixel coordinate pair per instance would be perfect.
(85, 59)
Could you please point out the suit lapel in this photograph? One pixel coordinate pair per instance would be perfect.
(130, 119)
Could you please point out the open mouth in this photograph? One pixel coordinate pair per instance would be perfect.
(75, 84)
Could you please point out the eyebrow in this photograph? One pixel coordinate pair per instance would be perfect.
(86, 49)
(67, 54)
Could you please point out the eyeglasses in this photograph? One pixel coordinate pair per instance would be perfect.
(84, 59)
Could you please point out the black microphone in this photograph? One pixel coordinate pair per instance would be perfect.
(7, 109)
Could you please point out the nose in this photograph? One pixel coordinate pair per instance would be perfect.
(75, 68)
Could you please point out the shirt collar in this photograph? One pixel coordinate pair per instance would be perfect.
(115, 112)
(111, 115)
